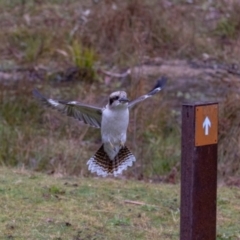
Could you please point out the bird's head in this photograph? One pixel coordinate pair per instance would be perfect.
(118, 100)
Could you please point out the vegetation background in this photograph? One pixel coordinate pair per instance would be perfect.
(84, 50)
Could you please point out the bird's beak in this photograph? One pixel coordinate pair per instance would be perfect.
(123, 100)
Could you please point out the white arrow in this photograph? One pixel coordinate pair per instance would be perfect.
(206, 125)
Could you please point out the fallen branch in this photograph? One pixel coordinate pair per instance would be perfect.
(138, 203)
(117, 75)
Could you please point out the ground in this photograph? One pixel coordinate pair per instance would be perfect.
(84, 50)
(38, 206)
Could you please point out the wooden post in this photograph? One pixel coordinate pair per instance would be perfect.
(199, 171)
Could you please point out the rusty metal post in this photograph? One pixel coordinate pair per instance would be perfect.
(199, 171)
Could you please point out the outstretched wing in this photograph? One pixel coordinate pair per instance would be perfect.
(82, 112)
(158, 87)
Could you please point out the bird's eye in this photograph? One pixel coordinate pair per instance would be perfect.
(111, 100)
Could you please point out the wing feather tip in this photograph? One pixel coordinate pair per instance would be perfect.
(160, 83)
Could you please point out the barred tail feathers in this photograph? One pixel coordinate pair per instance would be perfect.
(102, 165)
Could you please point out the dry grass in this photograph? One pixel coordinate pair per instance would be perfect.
(120, 32)
(59, 46)
(229, 141)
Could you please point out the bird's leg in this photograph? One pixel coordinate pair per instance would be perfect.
(122, 143)
(111, 145)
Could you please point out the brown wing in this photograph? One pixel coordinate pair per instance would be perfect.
(82, 112)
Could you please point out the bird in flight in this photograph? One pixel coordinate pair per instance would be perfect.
(113, 157)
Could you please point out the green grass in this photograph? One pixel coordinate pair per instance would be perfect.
(55, 47)
(83, 58)
(38, 206)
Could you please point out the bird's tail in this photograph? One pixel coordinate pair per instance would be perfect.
(101, 164)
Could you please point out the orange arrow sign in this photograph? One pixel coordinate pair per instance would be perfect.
(206, 126)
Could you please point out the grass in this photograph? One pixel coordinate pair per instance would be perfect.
(120, 32)
(38, 206)
(83, 59)
(35, 206)
(59, 45)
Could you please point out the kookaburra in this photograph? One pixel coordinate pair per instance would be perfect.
(113, 157)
